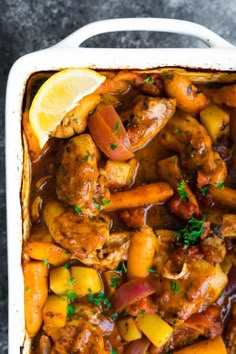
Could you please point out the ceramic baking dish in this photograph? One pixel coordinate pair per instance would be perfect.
(220, 57)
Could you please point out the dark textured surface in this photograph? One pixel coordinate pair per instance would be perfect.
(29, 25)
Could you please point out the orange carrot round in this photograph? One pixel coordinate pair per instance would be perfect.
(141, 252)
(35, 294)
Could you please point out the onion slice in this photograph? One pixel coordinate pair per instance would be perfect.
(132, 291)
(139, 346)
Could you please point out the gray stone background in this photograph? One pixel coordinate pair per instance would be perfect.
(30, 25)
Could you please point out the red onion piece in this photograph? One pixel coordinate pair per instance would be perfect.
(131, 292)
(139, 346)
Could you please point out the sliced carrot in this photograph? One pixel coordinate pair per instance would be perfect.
(35, 294)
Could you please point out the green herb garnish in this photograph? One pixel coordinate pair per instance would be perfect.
(70, 310)
(117, 127)
(114, 283)
(71, 281)
(178, 131)
(113, 351)
(105, 202)
(151, 270)
(192, 232)
(204, 190)
(121, 267)
(45, 261)
(121, 91)
(77, 209)
(67, 266)
(71, 295)
(113, 146)
(182, 192)
(85, 158)
(140, 313)
(148, 80)
(220, 185)
(114, 316)
(174, 287)
(97, 205)
(100, 299)
(76, 120)
(91, 112)
(27, 289)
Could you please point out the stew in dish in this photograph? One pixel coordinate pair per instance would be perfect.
(132, 209)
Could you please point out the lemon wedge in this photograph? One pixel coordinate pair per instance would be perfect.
(57, 96)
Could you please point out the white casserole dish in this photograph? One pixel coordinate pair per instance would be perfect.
(221, 57)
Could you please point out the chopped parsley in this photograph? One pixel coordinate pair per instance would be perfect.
(77, 209)
(113, 351)
(71, 295)
(76, 120)
(114, 283)
(71, 281)
(114, 316)
(178, 131)
(151, 270)
(204, 190)
(182, 192)
(97, 205)
(117, 127)
(174, 287)
(27, 289)
(85, 158)
(100, 299)
(121, 267)
(70, 310)
(140, 313)
(45, 261)
(91, 112)
(105, 202)
(220, 185)
(121, 91)
(67, 266)
(192, 232)
(148, 80)
(113, 146)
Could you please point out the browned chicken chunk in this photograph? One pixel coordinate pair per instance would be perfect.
(146, 118)
(77, 179)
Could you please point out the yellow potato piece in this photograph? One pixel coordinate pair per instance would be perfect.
(216, 121)
(154, 328)
(128, 329)
(86, 280)
(215, 346)
(55, 311)
(60, 280)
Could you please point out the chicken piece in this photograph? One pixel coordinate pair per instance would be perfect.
(198, 289)
(81, 338)
(229, 225)
(207, 323)
(120, 174)
(184, 203)
(150, 84)
(75, 121)
(185, 135)
(146, 118)
(77, 180)
(115, 250)
(231, 332)
(81, 235)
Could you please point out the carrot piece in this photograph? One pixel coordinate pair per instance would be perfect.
(141, 252)
(47, 251)
(188, 97)
(35, 295)
(140, 196)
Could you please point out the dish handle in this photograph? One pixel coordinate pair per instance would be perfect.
(207, 36)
